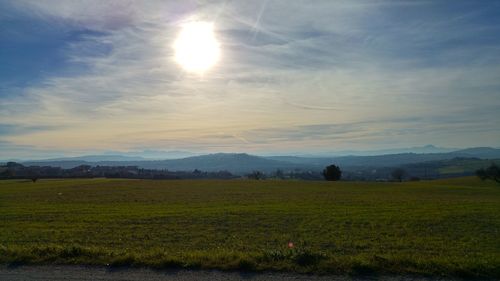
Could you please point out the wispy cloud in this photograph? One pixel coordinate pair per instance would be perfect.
(292, 76)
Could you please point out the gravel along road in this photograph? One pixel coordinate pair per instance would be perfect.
(77, 273)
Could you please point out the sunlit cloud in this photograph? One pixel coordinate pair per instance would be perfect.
(291, 76)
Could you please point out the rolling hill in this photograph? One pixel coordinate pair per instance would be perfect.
(240, 163)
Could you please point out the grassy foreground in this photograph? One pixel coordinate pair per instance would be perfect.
(445, 227)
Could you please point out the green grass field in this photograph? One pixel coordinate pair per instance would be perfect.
(445, 227)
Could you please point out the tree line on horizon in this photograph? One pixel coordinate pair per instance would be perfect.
(13, 170)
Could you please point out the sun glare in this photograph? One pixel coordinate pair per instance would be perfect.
(196, 48)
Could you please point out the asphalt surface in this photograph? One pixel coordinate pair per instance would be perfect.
(56, 273)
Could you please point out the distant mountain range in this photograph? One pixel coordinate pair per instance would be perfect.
(95, 158)
(240, 163)
(388, 160)
(417, 149)
(151, 154)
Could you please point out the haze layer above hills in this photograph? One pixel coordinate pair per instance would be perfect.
(242, 163)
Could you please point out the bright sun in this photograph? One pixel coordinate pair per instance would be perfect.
(196, 48)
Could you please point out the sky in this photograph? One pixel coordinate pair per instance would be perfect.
(84, 77)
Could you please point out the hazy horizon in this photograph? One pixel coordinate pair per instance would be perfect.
(275, 77)
(134, 155)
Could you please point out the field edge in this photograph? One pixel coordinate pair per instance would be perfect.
(291, 261)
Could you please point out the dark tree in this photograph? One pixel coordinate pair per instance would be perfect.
(490, 173)
(256, 175)
(398, 174)
(279, 174)
(332, 173)
(34, 179)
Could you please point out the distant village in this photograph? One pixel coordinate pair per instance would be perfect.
(13, 170)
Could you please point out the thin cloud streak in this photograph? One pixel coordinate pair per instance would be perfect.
(286, 69)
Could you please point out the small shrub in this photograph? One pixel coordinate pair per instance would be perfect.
(491, 173)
